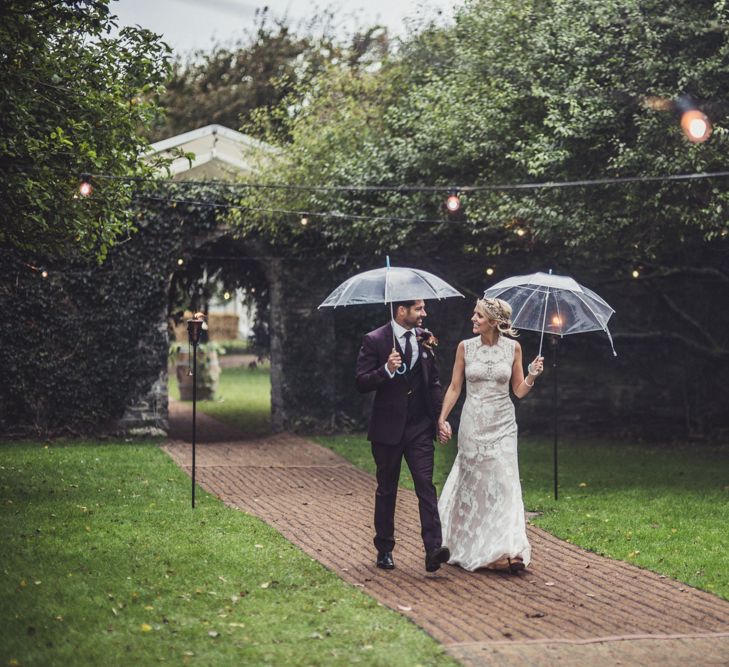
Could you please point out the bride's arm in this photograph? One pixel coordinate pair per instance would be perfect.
(519, 384)
(454, 388)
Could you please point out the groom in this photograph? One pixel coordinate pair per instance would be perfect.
(407, 403)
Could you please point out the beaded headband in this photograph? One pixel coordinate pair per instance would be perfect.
(493, 308)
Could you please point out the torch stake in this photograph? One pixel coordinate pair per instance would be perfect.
(194, 416)
(194, 328)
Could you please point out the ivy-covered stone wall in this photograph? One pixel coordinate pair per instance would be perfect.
(87, 344)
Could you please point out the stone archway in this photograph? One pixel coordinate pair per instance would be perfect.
(310, 387)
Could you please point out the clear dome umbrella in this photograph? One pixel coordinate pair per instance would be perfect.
(387, 285)
(553, 304)
(557, 305)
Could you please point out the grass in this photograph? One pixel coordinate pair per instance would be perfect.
(665, 509)
(104, 563)
(243, 398)
(235, 346)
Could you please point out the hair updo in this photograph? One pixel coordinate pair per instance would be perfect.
(499, 311)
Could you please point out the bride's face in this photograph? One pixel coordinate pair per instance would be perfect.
(481, 323)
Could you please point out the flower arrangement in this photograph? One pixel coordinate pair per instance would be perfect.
(427, 339)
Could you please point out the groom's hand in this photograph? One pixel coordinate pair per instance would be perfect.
(393, 361)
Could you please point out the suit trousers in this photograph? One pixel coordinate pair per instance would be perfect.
(416, 446)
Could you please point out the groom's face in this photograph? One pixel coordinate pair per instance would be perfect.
(413, 316)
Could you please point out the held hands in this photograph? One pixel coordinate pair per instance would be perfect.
(445, 433)
(394, 361)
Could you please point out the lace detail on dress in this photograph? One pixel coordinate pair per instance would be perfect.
(481, 507)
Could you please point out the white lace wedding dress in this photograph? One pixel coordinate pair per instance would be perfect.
(481, 508)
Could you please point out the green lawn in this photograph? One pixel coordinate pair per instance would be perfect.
(104, 563)
(243, 399)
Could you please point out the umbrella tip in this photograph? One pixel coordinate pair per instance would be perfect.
(550, 272)
(387, 259)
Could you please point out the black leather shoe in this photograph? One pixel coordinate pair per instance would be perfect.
(384, 560)
(433, 559)
(516, 565)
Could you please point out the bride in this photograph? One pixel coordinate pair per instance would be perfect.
(481, 508)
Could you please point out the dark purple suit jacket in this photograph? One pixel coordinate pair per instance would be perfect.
(390, 407)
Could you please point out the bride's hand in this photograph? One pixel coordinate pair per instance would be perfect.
(444, 432)
(536, 367)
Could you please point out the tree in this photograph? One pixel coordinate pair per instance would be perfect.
(73, 100)
(518, 93)
(266, 70)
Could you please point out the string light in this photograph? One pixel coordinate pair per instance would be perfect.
(85, 189)
(44, 273)
(323, 214)
(304, 220)
(695, 124)
(635, 273)
(490, 271)
(453, 203)
(180, 261)
(226, 296)
(453, 207)
(520, 231)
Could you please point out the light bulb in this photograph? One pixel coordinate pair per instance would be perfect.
(696, 126)
(453, 203)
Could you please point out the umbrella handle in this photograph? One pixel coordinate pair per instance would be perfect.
(403, 367)
(544, 319)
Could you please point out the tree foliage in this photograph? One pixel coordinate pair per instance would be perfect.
(73, 99)
(261, 77)
(521, 93)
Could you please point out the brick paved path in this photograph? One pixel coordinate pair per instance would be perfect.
(571, 607)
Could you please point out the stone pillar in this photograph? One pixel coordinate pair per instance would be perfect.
(303, 372)
(147, 413)
(274, 275)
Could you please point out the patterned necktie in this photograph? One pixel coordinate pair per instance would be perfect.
(408, 349)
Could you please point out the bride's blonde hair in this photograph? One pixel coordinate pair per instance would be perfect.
(499, 311)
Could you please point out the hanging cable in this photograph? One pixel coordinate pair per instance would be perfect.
(617, 180)
(308, 214)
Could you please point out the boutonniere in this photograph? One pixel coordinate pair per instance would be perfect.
(428, 340)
